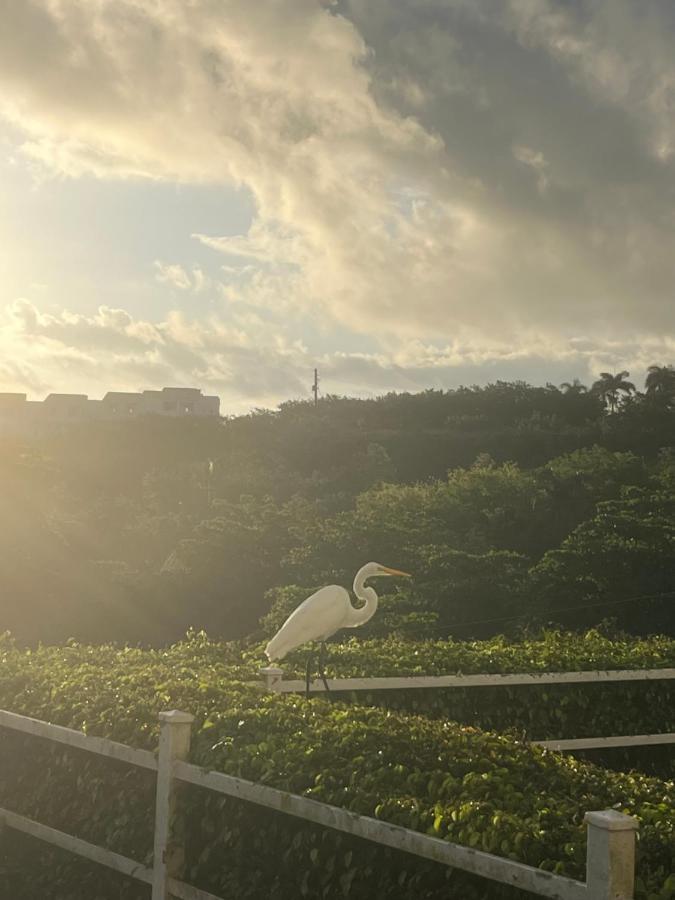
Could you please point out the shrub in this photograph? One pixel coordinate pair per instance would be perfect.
(488, 791)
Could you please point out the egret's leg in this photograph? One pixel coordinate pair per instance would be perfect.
(307, 675)
(322, 673)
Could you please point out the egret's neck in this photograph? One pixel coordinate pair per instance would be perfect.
(361, 615)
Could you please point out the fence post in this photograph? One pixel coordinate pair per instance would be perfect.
(610, 855)
(174, 743)
(273, 677)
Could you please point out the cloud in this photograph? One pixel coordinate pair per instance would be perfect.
(432, 173)
(112, 348)
(254, 361)
(535, 161)
(176, 276)
(172, 274)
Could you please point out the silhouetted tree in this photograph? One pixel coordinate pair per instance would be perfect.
(609, 387)
(573, 387)
(660, 383)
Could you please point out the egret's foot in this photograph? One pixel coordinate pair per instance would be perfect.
(307, 675)
(322, 673)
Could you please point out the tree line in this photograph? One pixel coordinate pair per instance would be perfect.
(514, 505)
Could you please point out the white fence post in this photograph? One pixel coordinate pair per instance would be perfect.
(174, 743)
(610, 860)
(273, 677)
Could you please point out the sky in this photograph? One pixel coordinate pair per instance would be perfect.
(412, 194)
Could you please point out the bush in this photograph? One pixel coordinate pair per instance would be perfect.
(543, 651)
(538, 712)
(487, 791)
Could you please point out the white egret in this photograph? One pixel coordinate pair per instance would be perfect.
(327, 611)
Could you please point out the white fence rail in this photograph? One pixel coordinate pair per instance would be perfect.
(273, 680)
(607, 743)
(610, 844)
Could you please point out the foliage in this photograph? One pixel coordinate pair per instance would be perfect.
(458, 783)
(473, 594)
(545, 651)
(597, 473)
(538, 711)
(609, 387)
(511, 504)
(476, 510)
(660, 384)
(626, 552)
(134, 531)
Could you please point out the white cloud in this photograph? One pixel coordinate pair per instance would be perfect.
(253, 361)
(175, 275)
(490, 181)
(112, 348)
(536, 161)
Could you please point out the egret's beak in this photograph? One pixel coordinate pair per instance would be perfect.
(387, 571)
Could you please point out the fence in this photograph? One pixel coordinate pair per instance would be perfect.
(273, 680)
(610, 866)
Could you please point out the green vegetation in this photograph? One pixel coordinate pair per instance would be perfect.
(481, 789)
(508, 502)
(548, 651)
(540, 527)
(538, 712)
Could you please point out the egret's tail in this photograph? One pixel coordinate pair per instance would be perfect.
(277, 648)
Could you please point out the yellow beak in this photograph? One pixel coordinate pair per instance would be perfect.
(396, 572)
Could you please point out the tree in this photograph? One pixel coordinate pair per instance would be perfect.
(609, 386)
(620, 564)
(573, 387)
(578, 481)
(660, 383)
(475, 511)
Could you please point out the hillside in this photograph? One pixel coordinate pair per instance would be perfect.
(511, 505)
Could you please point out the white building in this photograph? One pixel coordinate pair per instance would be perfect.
(18, 414)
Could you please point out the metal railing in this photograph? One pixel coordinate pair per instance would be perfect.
(610, 866)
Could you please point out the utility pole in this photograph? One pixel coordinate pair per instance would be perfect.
(209, 476)
(315, 387)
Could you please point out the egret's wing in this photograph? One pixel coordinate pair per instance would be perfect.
(315, 619)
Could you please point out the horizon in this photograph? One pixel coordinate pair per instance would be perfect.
(307, 399)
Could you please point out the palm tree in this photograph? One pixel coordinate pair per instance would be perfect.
(609, 386)
(660, 382)
(573, 387)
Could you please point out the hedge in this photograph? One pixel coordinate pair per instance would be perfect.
(535, 712)
(547, 651)
(488, 791)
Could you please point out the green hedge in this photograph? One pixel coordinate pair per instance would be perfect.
(488, 791)
(538, 712)
(547, 651)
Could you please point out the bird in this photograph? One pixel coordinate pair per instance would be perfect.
(326, 611)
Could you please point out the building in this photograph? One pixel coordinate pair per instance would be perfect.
(20, 415)
(178, 402)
